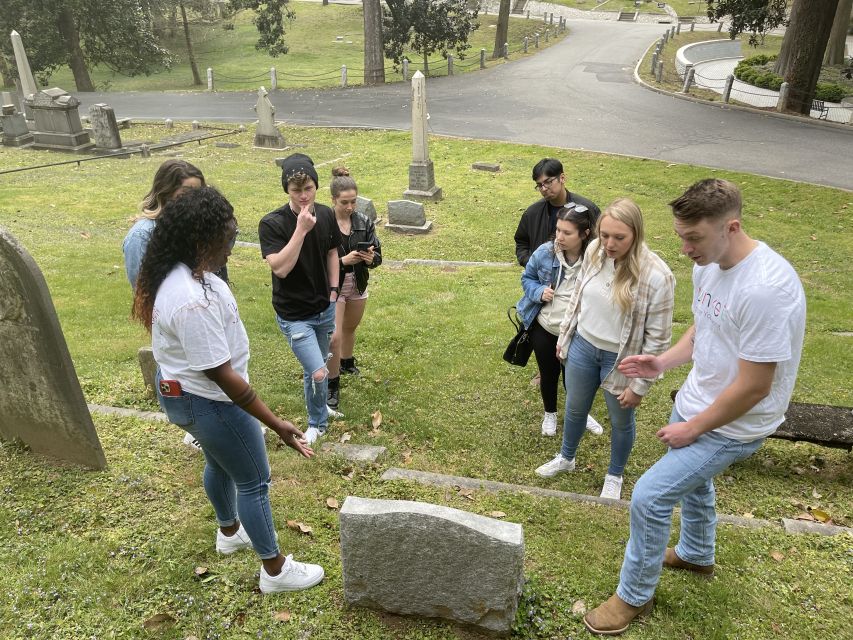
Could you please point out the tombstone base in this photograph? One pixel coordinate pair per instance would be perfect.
(23, 140)
(269, 142)
(433, 195)
(405, 228)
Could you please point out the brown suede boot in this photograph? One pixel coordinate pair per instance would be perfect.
(613, 617)
(671, 560)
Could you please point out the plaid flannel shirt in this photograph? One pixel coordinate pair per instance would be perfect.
(647, 329)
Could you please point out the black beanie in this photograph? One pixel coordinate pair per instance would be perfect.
(295, 164)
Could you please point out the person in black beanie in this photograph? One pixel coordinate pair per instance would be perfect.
(299, 242)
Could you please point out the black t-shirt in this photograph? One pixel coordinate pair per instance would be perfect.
(304, 292)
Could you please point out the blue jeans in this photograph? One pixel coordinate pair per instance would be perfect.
(309, 340)
(586, 369)
(237, 471)
(683, 475)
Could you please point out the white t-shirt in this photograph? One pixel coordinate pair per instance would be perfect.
(601, 318)
(196, 328)
(754, 311)
(551, 314)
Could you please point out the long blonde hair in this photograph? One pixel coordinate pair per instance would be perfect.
(627, 212)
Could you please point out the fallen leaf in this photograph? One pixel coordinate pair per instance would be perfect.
(158, 621)
(191, 638)
(579, 608)
(748, 515)
(820, 515)
(799, 471)
(497, 514)
(346, 437)
(805, 515)
(85, 234)
(304, 528)
(200, 571)
(332, 503)
(816, 495)
(407, 457)
(376, 419)
(778, 556)
(292, 524)
(813, 237)
(282, 616)
(375, 432)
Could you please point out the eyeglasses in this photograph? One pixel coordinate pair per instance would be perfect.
(544, 184)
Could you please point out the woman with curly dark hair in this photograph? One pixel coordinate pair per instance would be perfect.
(202, 350)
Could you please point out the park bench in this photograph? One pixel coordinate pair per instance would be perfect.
(821, 108)
(823, 424)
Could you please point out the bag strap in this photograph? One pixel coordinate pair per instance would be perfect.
(515, 322)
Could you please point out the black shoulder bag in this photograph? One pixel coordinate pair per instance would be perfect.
(519, 349)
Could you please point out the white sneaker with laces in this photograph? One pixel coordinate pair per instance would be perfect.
(549, 424)
(312, 434)
(558, 465)
(334, 414)
(593, 426)
(191, 442)
(229, 544)
(294, 576)
(612, 487)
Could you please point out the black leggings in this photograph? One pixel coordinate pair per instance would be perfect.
(545, 348)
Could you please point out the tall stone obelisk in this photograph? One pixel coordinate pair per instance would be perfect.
(421, 172)
(28, 82)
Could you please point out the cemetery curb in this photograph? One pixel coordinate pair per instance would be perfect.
(790, 527)
(734, 107)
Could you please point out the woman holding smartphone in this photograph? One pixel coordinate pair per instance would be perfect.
(202, 350)
(358, 252)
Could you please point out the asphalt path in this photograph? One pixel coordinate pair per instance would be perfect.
(579, 94)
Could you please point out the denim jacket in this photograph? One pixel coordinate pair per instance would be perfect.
(544, 269)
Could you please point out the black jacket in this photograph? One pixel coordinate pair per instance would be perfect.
(363, 230)
(535, 227)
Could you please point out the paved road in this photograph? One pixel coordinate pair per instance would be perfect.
(576, 94)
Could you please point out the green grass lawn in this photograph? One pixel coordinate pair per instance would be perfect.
(314, 59)
(96, 554)
(682, 7)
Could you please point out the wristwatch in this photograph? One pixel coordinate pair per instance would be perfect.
(337, 291)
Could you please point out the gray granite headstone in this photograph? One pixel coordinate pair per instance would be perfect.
(42, 403)
(14, 125)
(354, 452)
(148, 366)
(406, 216)
(415, 558)
(365, 207)
(57, 122)
(104, 126)
(486, 166)
(267, 134)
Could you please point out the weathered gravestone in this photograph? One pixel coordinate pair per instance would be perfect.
(148, 366)
(104, 126)
(494, 167)
(267, 134)
(365, 207)
(57, 122)
(405, 216)
(41, 402)
(28, 86)
(14, 125)
(421, 559)
(421, 171)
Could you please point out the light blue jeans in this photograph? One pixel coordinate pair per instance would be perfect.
(309, 340)
(586, 368)
(683, 475)
(237, 471)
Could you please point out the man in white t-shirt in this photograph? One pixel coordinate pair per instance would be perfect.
(749, 314)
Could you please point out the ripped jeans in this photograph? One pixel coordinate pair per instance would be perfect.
(309, 340)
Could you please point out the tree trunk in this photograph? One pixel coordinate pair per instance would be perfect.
(426, 64)
(502, 31)
(374, 58)
(71, 37)
(173, 21)
(838, 35)
(802, 51)
(190, 54)
(5, 74)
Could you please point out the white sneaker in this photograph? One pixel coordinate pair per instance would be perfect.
(312, 434)
(294, 576)
(191, 442)
(558, 465)
(593, 426)
(334, 414)
(612, 487)
(230, 544)
(549, 424)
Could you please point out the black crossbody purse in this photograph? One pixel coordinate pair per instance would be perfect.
(519, 349)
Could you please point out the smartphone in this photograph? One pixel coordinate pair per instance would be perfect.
(363, 246)
(170, 388)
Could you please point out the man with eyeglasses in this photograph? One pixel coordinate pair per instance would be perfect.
(539, 222)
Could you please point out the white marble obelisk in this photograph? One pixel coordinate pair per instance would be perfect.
(28, 82)
(421, 172)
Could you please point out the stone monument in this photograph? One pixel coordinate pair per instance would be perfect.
(405, 216)
(365, 207)
(104, 126)
(421, 172)
(42, 403)
(57, 122)
(14, 125)
(416, 558)
(28, 83)
(267, 134)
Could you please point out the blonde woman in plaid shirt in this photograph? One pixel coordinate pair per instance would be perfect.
(621, 306)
